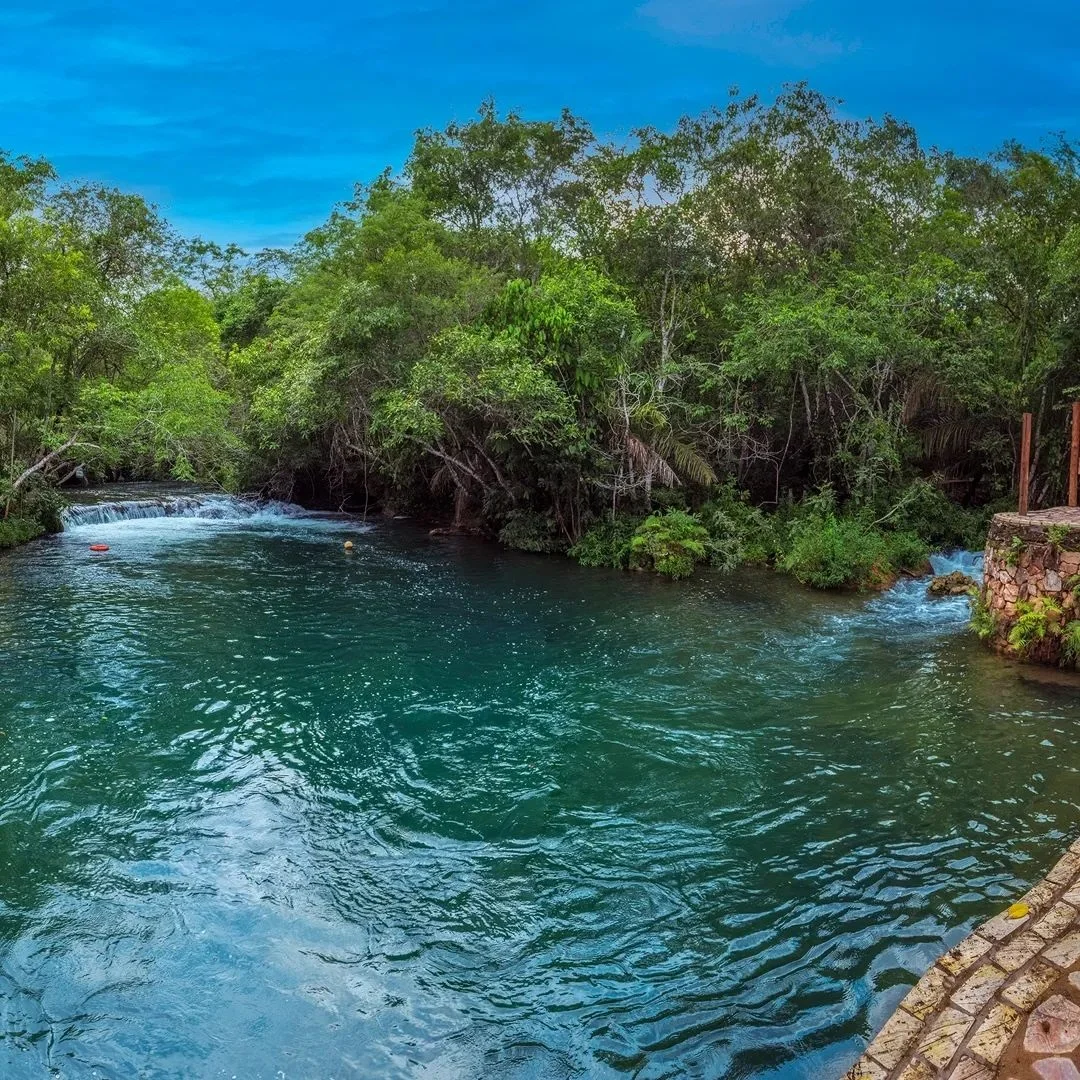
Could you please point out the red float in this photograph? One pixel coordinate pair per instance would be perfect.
(99, 547)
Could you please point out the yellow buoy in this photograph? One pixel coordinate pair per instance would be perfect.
(348, 545)
(1018, 910)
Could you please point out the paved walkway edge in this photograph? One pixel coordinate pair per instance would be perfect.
(958, 1020)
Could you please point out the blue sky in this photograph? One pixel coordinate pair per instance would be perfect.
(246, 121)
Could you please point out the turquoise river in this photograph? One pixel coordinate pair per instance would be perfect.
(274, 811)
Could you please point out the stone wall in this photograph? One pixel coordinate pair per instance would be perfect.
(1032, 567)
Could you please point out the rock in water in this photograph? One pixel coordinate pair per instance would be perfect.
(956, 583)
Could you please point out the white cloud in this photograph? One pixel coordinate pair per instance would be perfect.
(757, 27)
(141, 53)
(716, 18)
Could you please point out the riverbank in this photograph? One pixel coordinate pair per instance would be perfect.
(17, 530)
(818, 549)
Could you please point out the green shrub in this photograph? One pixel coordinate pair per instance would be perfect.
(906, 551)
(17, 530)
(671, 543)
(740, 533)
(1072, 585)
(924, 509)
(44, 503)
(607, 543)
(829, 552)
(727, 541)
(526, 530)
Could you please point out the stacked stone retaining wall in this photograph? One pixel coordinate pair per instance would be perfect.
(1032, 565)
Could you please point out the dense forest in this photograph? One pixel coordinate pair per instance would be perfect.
(770, 334)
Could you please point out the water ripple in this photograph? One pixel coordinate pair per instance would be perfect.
(431, 809)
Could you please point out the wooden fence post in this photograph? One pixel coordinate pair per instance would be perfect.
(1074, 452)
(1025, 461)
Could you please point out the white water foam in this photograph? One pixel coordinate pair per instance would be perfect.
(967, 562)
(907, 612)
(208, 506)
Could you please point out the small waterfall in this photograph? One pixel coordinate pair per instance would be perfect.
(967, 562)
(210, 506)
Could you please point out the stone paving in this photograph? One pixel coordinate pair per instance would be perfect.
(1054, 515)
(1004, 1004)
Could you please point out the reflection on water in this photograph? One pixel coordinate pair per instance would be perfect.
(269, 809)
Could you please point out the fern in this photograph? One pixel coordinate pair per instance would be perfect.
(1070, 641)
(983, 618)
(1057, 535)
(1014, 551)
(672, 544)
(1035, 620)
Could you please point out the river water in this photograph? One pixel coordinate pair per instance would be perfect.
(432, 809)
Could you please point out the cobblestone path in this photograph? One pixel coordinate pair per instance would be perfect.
(1004, 1004)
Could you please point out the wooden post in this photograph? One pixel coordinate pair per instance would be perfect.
(1074, 452)
(1025, 461)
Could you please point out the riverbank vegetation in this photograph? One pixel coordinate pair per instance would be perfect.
(770, 334)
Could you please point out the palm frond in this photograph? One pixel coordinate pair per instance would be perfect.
(925, 392)
(948, 437)
(442, 481)
(688, 462)
(648, 462)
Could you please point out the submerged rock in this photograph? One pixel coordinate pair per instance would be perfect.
(956, 583)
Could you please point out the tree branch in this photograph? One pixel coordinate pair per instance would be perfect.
(27, 473)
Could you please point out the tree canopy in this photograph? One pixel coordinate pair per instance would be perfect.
(537, 330)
